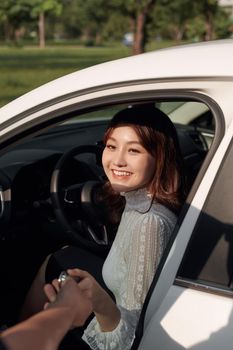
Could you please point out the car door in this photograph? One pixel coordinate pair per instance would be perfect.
(191, 306)
(31, 121)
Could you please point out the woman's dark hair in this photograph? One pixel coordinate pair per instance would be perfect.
(159, 137)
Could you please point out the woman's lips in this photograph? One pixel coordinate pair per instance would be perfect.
(120, 173)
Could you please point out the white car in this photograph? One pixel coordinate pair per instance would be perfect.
(50, 166)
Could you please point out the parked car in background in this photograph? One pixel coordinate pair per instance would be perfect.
(50, 165)
(128, 39)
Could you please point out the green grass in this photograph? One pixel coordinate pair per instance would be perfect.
(22, 69)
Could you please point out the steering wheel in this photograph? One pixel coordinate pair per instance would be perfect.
(79, 201)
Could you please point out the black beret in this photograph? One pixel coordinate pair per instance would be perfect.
(145, 114)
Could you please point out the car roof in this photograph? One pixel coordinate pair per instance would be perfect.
(199, 60)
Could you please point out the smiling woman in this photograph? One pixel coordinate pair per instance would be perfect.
(142, 162)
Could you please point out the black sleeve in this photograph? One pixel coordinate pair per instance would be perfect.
(2, 346)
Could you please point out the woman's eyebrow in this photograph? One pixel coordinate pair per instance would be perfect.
(128, 142)
(132, 142)
(111, 138)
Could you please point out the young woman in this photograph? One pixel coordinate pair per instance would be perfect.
(142, 162)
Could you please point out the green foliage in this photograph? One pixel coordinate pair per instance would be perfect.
(97, 21)
(195, 28)
(52, 6)
(196, 20)
(115, 27)
(223, 25)
(19, 17)
(15, 11)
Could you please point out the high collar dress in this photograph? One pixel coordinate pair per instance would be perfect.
(130, 266)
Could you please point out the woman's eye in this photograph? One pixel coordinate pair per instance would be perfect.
(134, 150)
(110, 147)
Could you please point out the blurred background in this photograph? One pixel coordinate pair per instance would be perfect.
(41, 40)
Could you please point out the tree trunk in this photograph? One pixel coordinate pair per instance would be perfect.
(98, 38)
(209, 32)
(41, 25)
(140, 18)
(139, 34)
(178, 34)
(8, 31)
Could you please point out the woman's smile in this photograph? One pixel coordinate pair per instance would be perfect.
(121, 173)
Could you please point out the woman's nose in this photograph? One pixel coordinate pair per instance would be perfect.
(119, 159)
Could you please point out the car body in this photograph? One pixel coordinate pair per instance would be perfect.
(189, 305)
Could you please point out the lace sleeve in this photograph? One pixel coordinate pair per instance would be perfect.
(148, 242)
(145, 250)
(120, 338)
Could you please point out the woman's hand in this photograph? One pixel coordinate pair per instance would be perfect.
(106, 311)
(71, 297)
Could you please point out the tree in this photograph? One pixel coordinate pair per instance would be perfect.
(13, 13)
(72, 22)
(138, 12)
(16, 13)
(212, 13)
(93, 21)
(95, 17)
(196, 20)
(172, 18)
(39, 9)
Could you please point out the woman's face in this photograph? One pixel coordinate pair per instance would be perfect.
(127, 164)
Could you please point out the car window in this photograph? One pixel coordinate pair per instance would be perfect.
(204, 121)
(191, 113)
(88, 128)
(183, 112)
(209, 256)
(97, 115)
